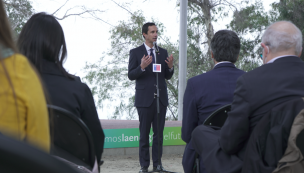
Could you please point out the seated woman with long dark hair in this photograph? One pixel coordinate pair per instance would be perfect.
(42, 42)
(23, 110)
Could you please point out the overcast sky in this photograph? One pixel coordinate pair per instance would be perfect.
(86, 38)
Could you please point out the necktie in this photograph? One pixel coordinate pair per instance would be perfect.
(152, 54)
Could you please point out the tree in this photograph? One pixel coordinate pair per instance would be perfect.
(291, 11)
(79, 10)
(208, 12)
(249, 23)
(18, 12)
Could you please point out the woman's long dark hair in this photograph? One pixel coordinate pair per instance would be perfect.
(42, 37)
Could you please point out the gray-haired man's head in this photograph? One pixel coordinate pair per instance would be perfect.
(282, 38)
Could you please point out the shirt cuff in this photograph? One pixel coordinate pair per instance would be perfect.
(143, 69)
(171, 69)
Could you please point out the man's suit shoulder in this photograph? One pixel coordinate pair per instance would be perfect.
(277, 65)
(137, 48)
(209, 75)
(162, 49)
(142, 46)
(199, 79)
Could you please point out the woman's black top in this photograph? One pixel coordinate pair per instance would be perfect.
(74, 96)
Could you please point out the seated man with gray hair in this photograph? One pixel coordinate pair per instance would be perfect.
(279, 80)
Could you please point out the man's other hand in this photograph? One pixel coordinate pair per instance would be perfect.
(169, 61)
(145, 61)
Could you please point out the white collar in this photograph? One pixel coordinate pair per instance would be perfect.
(148, 48)
(222, 63)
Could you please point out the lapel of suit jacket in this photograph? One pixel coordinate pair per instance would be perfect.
(158, 57)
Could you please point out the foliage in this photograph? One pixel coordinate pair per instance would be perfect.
(291, 11)
(249, 23)
(18, 11)
(198, 56)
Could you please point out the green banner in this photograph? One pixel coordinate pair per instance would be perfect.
(121, 138)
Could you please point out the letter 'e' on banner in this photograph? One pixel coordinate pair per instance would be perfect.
(157, 68)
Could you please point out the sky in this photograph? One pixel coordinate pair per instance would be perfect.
(87, 38)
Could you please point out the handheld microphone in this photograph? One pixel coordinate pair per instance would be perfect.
(156, 47)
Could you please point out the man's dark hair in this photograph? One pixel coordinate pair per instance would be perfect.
(145, 28)
(225, 46)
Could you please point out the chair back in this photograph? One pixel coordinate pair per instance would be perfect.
(218, 117)
(19, 157)
(215, 120)
(71, 138)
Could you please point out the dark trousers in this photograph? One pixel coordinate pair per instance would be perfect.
(148, 116)
(189, 159)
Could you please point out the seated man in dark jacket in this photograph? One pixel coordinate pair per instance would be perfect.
(207, 92)
(280, 79)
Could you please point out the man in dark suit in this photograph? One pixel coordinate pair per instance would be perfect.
(279, 80)
(207, 92)
(140, 69)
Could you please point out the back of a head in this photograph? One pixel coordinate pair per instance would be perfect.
(225, 46)
(42, 37)
(283, 36)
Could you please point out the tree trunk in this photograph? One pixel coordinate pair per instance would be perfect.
(206, 8)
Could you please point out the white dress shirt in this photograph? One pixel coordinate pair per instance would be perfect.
(149, 52)
(222, 63)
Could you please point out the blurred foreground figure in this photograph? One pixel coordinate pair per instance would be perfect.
(279, 80)
(23, 111)
(207, 92)
(42, 41)
(18, 157)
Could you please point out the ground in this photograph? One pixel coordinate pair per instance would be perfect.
(130, 164)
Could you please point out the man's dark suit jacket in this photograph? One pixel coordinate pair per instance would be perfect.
(257, 92)
(207, 92)
(146, 80)
(204, 94)
(74, 96)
